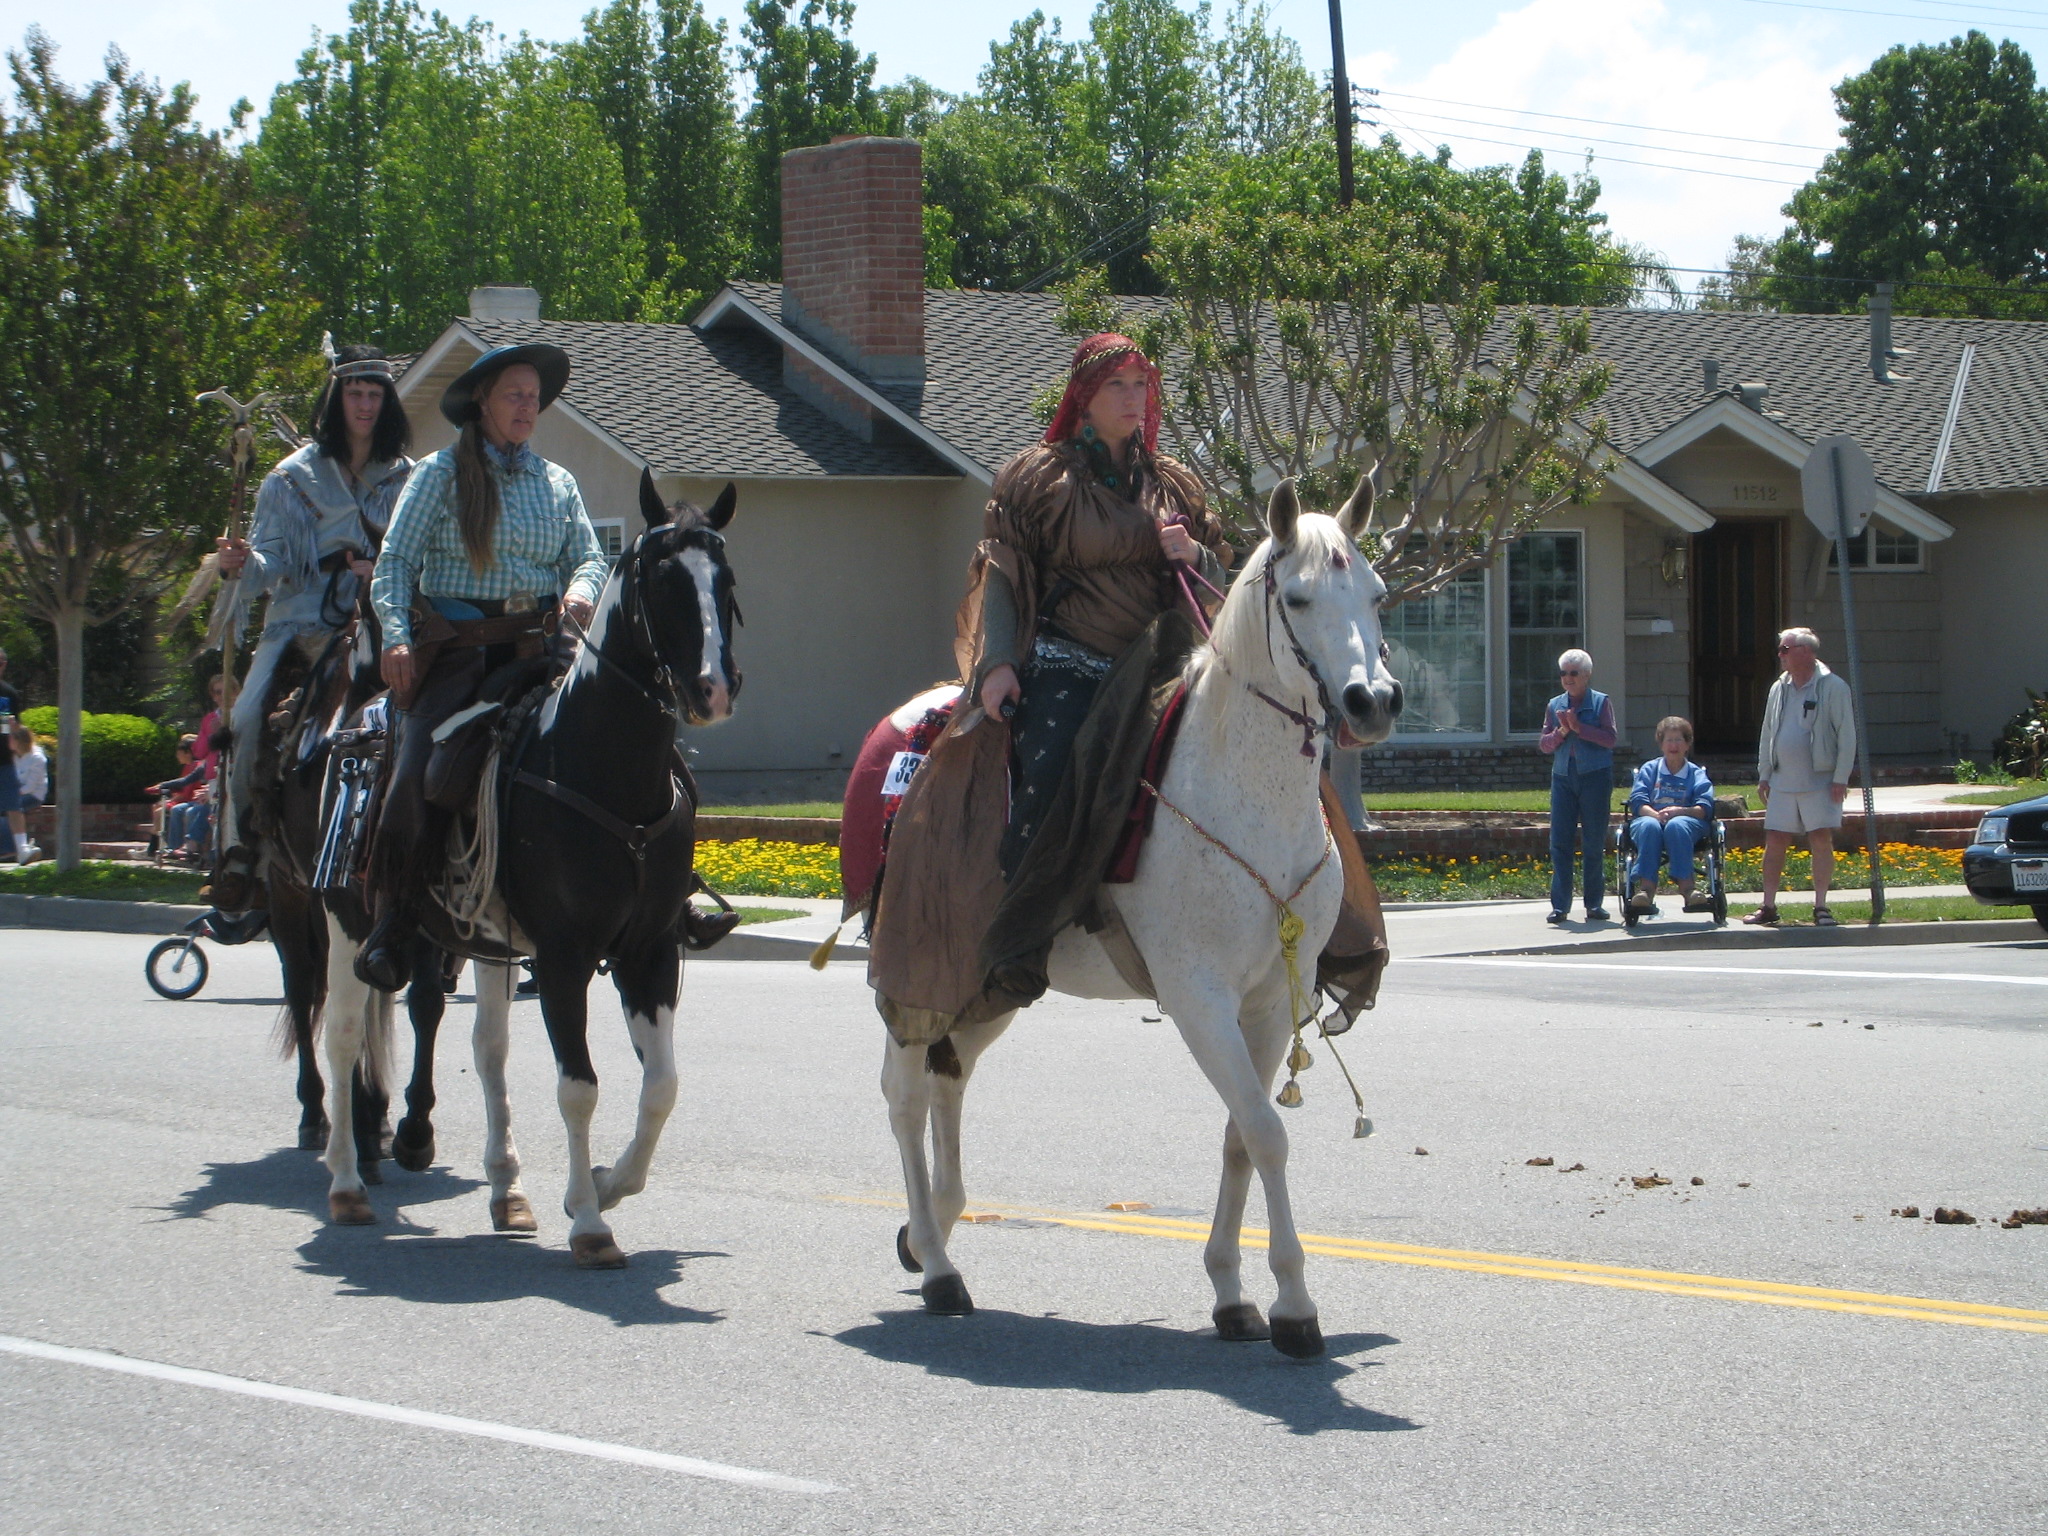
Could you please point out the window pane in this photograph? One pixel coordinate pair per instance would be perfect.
(611, 538)
(1438, 651)
(1546, 608)
(1896, 548)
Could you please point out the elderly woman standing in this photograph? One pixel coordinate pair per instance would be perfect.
(1578, 733)
(484, 536)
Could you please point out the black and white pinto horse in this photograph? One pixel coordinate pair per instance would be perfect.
(595, 864)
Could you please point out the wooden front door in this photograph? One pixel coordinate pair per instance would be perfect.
(1737, 608)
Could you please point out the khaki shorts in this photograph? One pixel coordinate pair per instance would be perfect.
(1814, 811)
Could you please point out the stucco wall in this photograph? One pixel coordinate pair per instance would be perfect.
(1994, 634)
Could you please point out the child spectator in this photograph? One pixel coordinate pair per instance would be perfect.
(32, 788)
(186, 812)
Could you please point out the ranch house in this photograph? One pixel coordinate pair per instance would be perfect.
(863, 417)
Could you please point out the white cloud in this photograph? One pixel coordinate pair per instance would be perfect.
(1627, 61)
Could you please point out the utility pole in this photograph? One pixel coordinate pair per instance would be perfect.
(1340, 90)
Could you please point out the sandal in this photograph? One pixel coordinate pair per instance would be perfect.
(1824, 918)
(1763, 917)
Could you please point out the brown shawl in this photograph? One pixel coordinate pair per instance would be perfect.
(1052, 528)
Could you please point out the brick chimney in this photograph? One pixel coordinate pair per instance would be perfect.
(853, 265)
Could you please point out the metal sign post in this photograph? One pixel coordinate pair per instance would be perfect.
(1839, 485)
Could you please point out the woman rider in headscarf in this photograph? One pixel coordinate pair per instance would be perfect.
(1082, 540)
(484, 530)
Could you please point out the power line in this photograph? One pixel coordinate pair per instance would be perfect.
(1600, 122)
(1668, 149)
(1655, 165)
(1853, 10)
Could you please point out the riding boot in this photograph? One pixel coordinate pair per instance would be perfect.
(233, 883)
(385, 960)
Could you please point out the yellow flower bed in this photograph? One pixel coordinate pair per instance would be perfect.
(1904, 864)
(750, 867)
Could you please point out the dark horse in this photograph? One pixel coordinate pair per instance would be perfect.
(338, 682)
(594, 859)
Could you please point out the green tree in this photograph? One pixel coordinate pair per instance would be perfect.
(1320, 345)
(423, 158)
(138, 267)
(810, 84)
(1944, 159)
(690, 213)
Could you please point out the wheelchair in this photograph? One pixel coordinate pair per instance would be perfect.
(1710, 860)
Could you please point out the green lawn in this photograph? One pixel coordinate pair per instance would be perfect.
(1909, 909)
(752, 915)
(1537, 800)
(2004, 794)
(106, 880)
(829, 809)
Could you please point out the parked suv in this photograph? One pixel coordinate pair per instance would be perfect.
(2007, 864)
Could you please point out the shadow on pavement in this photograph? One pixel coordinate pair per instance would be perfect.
(408, 1263)
(290, 1180)
(1007, 1349)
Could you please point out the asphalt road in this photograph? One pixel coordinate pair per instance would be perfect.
(763, 1366)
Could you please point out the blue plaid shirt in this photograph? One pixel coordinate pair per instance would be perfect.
(544, 542)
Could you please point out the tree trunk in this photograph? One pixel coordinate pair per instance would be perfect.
(70, 628)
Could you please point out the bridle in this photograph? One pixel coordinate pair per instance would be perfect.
(666, 694)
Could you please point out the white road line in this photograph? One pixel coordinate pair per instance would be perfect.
(1731, 970)
(689, 1466)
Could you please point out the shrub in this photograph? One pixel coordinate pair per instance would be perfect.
(2022, 747)
(119, 755)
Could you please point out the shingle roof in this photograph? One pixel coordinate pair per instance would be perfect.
(1818, 370)
(706, 403)
(988, 355)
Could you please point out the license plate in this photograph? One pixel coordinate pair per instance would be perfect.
(2030, 874)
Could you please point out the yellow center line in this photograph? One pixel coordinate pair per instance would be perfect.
(1524, 1267)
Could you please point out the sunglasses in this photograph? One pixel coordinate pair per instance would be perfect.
(1570, 672)
(1784, 648)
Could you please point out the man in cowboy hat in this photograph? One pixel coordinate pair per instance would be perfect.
(485, 535)
(319, 517)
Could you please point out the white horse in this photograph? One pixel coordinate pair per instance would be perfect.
(1240, 832)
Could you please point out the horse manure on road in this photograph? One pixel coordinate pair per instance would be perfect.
(1541, 1162)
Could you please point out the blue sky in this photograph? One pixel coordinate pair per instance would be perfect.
(1680, 74)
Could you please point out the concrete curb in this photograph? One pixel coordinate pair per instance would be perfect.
(742, 945)
(1990, 930)
(85, 914)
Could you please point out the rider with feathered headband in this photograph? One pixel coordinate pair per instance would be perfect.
(320, 516)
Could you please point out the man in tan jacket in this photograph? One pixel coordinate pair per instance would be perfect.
(1804, 756)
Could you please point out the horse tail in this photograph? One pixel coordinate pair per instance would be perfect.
(377, 1034)
(285, 1031)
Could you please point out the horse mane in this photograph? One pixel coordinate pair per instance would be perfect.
(1238, 638)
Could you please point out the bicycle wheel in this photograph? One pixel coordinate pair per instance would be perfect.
(183, 975)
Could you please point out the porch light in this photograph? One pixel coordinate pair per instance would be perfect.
(1673, 564)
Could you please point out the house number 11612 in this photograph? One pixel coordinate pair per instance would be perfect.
(1756, 495)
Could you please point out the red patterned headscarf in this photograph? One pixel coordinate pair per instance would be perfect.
(1094, 361)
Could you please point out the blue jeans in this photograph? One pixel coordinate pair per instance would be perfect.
(1673, 839)
(1578, 815)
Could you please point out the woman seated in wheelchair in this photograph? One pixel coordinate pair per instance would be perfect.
(1670, 808)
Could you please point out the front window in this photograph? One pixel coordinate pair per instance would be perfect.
(611, 538)
(1878, 548)
(1546, 616)
(1437, 647)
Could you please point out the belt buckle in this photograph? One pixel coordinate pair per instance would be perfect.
(522, 602)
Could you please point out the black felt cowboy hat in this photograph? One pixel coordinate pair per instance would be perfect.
(458, 401)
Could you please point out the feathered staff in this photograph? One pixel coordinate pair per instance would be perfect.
(232, 609)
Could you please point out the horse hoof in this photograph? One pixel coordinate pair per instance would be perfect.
(1240, 1323)
(369, 1173)
(350, 1208)
(903, 1254)
(312, 1135)
(413, 1156)
(946, 1296)
(1298, 1338)
(513, 1214)
(596, 1250)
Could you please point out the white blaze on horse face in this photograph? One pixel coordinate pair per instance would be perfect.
(717, 689)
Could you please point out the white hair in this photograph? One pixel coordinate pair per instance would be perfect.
(1576, 658)
(1805, 637)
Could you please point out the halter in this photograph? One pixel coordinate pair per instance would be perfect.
(633, 601)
